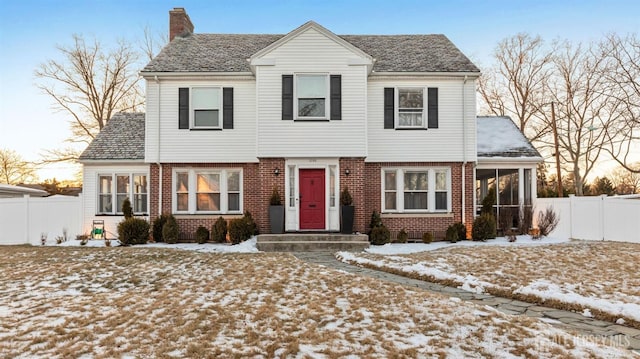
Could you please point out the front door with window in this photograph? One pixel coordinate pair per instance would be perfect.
(312, 199)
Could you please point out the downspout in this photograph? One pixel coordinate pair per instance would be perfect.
(464, 153)
(158, 150)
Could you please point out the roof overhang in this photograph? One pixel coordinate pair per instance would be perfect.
(180, 75)
(112, 162)
(472, 75)
(484, 161)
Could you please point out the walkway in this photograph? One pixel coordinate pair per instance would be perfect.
(559, 318)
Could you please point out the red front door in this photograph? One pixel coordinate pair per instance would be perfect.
(312, 199)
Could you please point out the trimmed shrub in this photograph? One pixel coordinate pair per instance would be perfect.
(379, 235)
(484, 227)
(252, 227)
(219, 231)
(170, 230)
(202, 235)
(403, 236)
(461, 230)
(238, 230)
(133, 231)
(127, 210)
(427, 237)
(345, 197)
(376, 221)
(451, 234)
(547, 221)
(158, 223)
(489, 201)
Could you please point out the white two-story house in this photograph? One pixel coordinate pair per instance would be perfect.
(230, 117)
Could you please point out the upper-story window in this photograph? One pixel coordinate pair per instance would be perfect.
(410, 108)
(312, 92)
(205, 107)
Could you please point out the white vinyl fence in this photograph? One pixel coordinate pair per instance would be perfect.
(24, 219)
(595, 218)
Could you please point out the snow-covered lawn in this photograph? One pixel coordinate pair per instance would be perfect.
(151, 302)
(594, 278)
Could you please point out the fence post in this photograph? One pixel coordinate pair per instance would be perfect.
(25, 198)
(603, 197)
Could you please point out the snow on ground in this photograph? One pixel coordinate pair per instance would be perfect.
(408, 248)
(574, 272)
(248, 246)
(147, 302)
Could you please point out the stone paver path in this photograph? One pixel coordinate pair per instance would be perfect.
(597, 330)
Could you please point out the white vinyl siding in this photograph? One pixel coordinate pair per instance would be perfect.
(237, 145)
(416, 190)
(311, 52)
(207, 191)
(442, 144)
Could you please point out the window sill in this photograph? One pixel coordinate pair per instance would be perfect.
(120, 215)
(410, 129)
(417, 215)
(311, 120)
(206, 215)
(205, 129)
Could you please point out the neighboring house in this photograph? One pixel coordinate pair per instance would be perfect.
(229, 117)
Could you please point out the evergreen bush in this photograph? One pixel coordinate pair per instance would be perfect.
(345, 197)
(239, 231)
(170, 230)
(427, 237)
(451, 234)
(158, 223)
(275, 199)
(133, 231)
(461, 230)
(202, 235)
(252, 227)
(127, 210)
(378, 233)
(484, 227)
(219, 230)
(403, 236)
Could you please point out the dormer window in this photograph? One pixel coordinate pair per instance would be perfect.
(312, 92)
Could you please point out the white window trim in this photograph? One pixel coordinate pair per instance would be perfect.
(431, 192)
(396, 99)
(192, 109)
(327, 98)
(114, 193)
(192, 190)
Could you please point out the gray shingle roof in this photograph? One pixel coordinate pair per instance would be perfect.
(122, 138)
(498, 136)
(229, 53)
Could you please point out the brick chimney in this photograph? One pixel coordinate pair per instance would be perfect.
(179, 23)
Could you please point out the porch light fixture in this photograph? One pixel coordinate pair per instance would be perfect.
(276, 171)
(347, 172)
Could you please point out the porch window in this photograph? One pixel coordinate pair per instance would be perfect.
(122, 191)
(140, 193)
(114, 188)
(105, 204)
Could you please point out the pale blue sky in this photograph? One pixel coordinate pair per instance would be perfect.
(30, 31)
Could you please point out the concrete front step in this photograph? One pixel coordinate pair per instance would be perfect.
(312, 242)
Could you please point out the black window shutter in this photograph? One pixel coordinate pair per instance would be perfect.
(432, 107)
(287, 97)
(389, 99)
(227, 108)
(183, 108)
(336, 97)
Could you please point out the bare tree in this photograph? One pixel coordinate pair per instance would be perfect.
(515, 85)
(625, 181)
(152, 43)
(585, 113)
(14, 169)
(90, 84)
(623, 72)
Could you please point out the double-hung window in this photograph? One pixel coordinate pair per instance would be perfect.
(115, 188)
(422, 190)
(410, 107)
(205, 107)
(312, 92)
(202, 191)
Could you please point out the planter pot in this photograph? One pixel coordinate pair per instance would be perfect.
(346, 219)
(276, 219)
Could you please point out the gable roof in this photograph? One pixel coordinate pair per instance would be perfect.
(229, 52)
(498, 136)
(122, 138)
